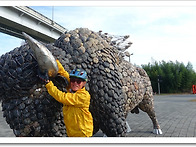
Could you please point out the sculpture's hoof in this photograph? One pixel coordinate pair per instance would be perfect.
(157, 131)
(128, 127)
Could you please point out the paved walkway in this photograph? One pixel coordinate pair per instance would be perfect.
(176, 115)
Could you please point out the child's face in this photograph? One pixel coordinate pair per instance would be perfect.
(77, 84)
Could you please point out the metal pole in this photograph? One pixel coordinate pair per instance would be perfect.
(52, 15)
(130, 57)
(159, 86)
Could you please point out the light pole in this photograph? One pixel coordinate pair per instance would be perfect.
(159, 81)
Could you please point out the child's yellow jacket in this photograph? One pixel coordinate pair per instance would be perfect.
(77, 117)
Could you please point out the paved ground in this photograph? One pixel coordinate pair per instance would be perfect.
(5, 130)
(176, 115)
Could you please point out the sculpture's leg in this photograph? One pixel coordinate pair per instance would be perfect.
(128, 127)
(147, 106)
(108, 101)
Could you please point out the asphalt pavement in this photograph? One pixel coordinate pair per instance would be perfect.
(176, 115)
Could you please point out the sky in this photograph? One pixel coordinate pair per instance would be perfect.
(158, 32)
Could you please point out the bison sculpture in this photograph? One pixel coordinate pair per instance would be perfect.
(116, 86)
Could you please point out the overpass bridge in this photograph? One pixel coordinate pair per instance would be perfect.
(17, 19)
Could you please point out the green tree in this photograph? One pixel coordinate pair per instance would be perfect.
(175, 76)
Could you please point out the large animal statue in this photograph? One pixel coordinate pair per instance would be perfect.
(116, 86)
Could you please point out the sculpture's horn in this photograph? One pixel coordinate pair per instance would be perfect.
(44, 57)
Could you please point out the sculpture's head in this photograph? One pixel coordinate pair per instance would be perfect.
(44, 57)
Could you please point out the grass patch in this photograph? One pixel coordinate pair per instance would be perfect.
(173, 94)
(194, 100)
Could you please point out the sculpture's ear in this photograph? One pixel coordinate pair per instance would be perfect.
(44, 57)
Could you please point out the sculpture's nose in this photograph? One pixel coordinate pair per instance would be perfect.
(44, 57)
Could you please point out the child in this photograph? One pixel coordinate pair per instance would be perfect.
(77, 117)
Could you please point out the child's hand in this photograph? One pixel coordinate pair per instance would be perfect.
(43, 76)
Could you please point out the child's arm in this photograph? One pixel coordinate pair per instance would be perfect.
(62, 71)
(78, 99)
